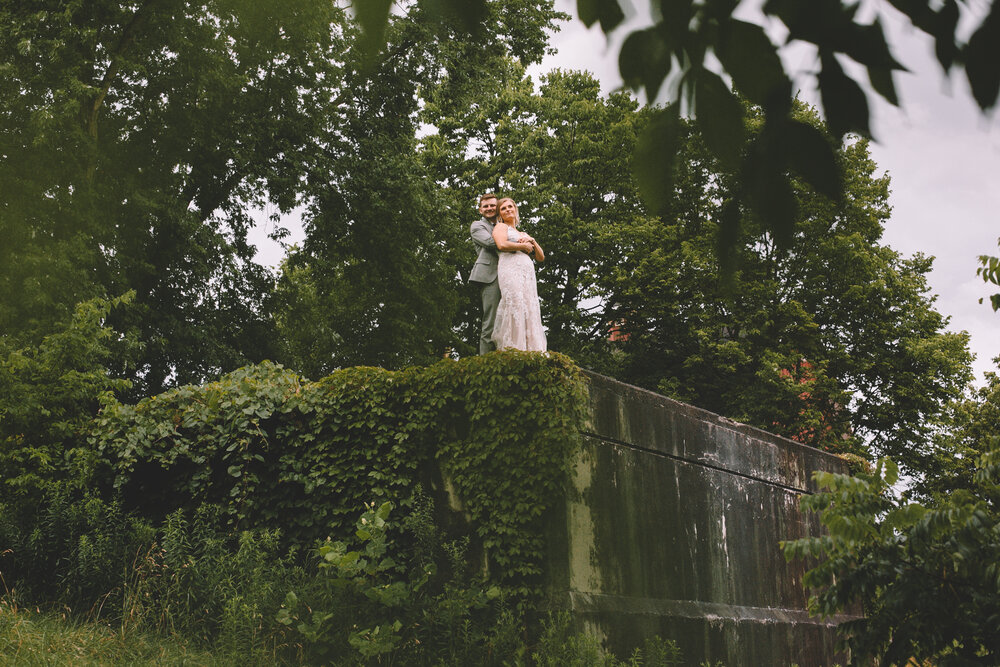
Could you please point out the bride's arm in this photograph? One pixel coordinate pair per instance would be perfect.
(539, 253)
(500, 238)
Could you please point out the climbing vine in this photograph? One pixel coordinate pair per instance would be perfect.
(275, 450)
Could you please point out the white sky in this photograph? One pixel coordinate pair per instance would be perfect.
(942, 155)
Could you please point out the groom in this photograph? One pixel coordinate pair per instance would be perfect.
(484, 271)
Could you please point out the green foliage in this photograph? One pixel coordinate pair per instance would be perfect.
(369, 606)
(75, 549)
(926, 577)
(211, 586)
(770, 346)
(989, 271)
(689, 42)
(373, 609)
(30, 637)
(48, 394)
(274, 450)
(186, 578)
(378, 273)
(136, 141)
(563, 153)
(559, 646)
(971, 423)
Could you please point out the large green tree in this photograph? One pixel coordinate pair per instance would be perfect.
(826, 337)
(137, 139)
(706, 56)
(563, 153)
(377, 279)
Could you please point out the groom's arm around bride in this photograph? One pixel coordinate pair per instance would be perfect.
(484, 271)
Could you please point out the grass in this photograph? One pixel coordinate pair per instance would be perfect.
(29, 638)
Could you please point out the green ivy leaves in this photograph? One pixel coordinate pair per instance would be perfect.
(275, 450)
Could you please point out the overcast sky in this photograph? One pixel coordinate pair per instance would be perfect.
(942, 155)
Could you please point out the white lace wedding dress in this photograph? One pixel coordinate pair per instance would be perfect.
(519, 317)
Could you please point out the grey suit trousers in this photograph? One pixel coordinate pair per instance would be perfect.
(491, 298)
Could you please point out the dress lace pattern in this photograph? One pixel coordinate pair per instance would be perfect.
(519, 316)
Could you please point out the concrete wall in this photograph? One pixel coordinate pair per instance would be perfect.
(672, 528)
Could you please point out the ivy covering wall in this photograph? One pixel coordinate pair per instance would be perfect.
(276, 450)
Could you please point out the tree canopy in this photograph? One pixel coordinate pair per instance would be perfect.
(707, 59)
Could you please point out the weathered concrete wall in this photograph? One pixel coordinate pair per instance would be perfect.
(672, 528)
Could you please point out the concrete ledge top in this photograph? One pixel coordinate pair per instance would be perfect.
(628, 415)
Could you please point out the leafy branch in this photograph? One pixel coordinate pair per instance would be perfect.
(989, 271)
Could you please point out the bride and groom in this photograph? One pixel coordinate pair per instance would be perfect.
(505, 268)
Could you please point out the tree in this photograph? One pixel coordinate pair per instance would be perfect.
(563, 152)
(707, 58)
(379, 271)
(48, 394)
(963, 437)
(829, 338)
(137, 139)
(927, 576)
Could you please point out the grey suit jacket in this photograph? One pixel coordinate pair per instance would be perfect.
(485, 268)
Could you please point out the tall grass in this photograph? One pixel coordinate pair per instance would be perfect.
(29, 638)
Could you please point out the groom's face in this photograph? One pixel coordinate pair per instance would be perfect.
(488, 208)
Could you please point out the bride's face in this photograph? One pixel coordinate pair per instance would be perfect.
(508, 212)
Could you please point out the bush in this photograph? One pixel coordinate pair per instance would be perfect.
(427, 609)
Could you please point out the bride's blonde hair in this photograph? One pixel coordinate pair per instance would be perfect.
(517, 214)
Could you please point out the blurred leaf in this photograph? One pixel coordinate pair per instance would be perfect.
(719, 114)
(825, 23)
(866, 44)
(675, 18)
(750, 59)
(728, 239)
(768, 191)
(656, 157)
(944, 34)
(469, 14)
(881, 81)
(372, 15)
(810, 154)
(940, 25)
(645, 60)
(607, 12)
(844, 102)
(982, 60)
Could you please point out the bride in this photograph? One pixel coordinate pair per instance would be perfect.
(519, 318)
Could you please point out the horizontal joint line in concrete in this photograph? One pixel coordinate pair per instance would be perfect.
(703, 464)
(579, 601)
